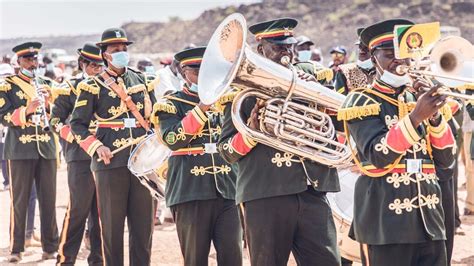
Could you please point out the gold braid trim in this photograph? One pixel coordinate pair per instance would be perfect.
(170, 97)
(350, 113)
(446, 112)
(359, 164)
(5, 86)
(467, 86)
(164, 107)
(83, 86)
(152, 83)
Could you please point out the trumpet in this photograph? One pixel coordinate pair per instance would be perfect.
(42, 107)
(451, 63)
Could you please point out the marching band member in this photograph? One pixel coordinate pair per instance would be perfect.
(82, 197)
(200, 187)
(283, 197)
(355, 75)
(30, 151)
(398, 216)
(121, 100)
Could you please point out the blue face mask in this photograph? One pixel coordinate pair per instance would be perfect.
(27, 73)
(150, 69)
(366, 64)
(304, 55)
(120, 59)
(194, 88)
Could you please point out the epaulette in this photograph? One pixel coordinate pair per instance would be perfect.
(88, 85)
(358, 105)
(4, 86)
(135, 70)
(48, 81)
(228, 97)
(466, 86)
(151, 81)
(446, 112)
(62, 89)
(167, 107)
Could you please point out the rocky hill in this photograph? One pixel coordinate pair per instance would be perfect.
(328, 23)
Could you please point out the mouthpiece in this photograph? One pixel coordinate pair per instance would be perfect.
(402, 69)
(285, 60)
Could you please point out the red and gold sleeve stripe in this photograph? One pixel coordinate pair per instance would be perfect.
(387, 37)
(441, 136)
(90, 145)
(19, 116)
(194, 121)
(66, 133)
(242, 144)
(427, 168)
(402, 136)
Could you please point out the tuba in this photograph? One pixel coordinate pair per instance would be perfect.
(451, 63)
(295, 116)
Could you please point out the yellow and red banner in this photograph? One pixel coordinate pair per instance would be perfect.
(415, 41)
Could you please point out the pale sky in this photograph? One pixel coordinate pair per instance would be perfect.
(37, 18)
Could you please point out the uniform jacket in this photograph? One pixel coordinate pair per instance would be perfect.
(193, 173)
(393, 205)
(96, 101)
(25, 139)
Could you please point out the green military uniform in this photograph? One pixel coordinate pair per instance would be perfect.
(119, 192)
(200, 185)
(398, 216)
(31, 155)
(82, 196)
(283, 196)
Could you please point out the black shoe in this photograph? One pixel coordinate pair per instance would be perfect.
(468, 212)
(48, 255)
(14, 257)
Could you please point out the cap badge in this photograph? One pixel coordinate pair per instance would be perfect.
(117, 34)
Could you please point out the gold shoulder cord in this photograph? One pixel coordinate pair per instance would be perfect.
(403, 110)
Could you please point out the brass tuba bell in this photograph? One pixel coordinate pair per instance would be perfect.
(294, 118)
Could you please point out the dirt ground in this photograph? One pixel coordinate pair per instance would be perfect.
(165, 242)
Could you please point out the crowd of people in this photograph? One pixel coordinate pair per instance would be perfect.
(222, 185)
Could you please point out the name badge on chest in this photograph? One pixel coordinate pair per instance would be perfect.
(414, 166)
(210, 148)
(129, 123)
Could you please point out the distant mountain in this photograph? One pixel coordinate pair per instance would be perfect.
(328, 23)
(69, 43)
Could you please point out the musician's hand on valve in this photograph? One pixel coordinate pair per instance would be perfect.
(306, 76)
(105, 154)
(253, 122)
(420, 86)
(427, 106)
(204, 107)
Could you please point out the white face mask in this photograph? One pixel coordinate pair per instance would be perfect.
(366, 64)
(40, 71)
(393, 80)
